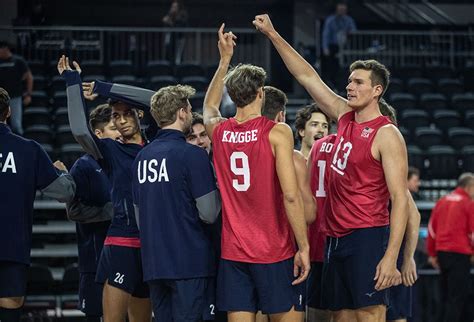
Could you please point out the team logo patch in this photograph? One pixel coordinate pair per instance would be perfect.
(366, 132)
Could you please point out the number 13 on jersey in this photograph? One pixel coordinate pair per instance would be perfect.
(239, 164)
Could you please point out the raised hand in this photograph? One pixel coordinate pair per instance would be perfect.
(63, 64)
(263, 24)
(88, 90)
(226, 43)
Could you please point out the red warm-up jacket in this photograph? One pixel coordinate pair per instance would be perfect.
(451, 226)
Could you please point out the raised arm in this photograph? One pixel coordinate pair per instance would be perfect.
(331, 103)
(212, 101)
(281, 139)
(408, 271)
(393, 155)
(134, 96)
(77, 108)
(303, 179)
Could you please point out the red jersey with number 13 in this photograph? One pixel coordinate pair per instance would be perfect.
(357, 193)
(255, 228)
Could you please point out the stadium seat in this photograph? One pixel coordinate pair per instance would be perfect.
(40, 133)
(189, 69)
(450, 86)
(408, 71)
(57, 84)
(199, 83)
(61, 117)
(69, 288)
(197, 101)
(433, 101)
(127, 80)
(467, 157)
(438, 71)
(468, 76)
(416, 157)
(211, 70)
(443, 162)
(446, 119)
(157, 82)
(60, 99)
(403, 101)
(463, 102)
(469, 119)
(64, 135)
(69, 153)
(41, 82)
(406, 134)
(459, 137)
(121, 67)
(426, 137)
(90, 67)
(50, 151)
(159, 68)
(35, 115)
(412, 118)
(37, 67)
(420, 86)
(39, 98)
(40, 291)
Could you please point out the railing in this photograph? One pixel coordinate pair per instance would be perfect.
(100, 44)
(402, 48)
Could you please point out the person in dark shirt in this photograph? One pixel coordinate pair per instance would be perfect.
(24, 168)
(13, 71)
(92, 211)
(413, 182)
(120, 266)
(174, 193)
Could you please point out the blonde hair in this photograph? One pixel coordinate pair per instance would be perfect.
(167, 101)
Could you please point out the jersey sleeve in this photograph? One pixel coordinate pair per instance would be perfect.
(132, 95)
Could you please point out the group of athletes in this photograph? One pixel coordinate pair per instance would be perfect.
(307, 230)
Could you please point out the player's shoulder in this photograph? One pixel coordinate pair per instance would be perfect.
(191, 151)
(389, 131)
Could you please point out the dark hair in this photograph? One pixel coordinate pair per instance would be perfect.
(412, 171)
(379, 73)
(100, 116)
(275, 102)
(304, 115)
(4, 104)
(466, 179)
(388, 110)
(197, 119)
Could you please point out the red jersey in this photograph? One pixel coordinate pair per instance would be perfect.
(321, 157)
(357, 191)
(451, 225)
(255, 228)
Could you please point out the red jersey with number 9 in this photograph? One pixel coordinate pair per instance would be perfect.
(357, 192)
(321, 157)
(255, 228)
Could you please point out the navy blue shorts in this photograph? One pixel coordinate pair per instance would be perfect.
(314, 289)
(13, 277)
(349, 269)
(90, 295)
(252, 287)
(121, 267)
(401, 299)
(186, 300)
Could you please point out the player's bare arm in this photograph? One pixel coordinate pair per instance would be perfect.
(212, 101)
(389, 147)
(281, 139)
(408, 270)
(303, 179)
(331, 103)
